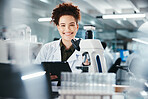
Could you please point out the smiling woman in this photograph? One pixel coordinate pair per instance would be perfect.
(67, 28)
(65, 16)
(66, 22)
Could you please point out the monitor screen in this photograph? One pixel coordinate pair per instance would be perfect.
(124, 54)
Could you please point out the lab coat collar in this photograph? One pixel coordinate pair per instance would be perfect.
(57, 54)
(74, 56)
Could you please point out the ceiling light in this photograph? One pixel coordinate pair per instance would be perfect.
(118, 16)
(45, 1)
(141, 41)
(44, 19)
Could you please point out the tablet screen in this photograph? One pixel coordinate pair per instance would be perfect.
(55, 68)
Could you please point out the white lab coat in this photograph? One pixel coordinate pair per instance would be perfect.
(51, 52)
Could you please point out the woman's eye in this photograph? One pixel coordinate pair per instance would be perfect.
(62, 25)
(72, 25)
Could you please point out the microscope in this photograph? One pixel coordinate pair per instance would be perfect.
(92, 51)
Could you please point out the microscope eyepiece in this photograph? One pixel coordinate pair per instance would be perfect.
(75, 44)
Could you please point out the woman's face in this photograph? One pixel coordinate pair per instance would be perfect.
(67, 27)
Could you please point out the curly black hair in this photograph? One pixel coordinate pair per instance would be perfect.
(65, 9)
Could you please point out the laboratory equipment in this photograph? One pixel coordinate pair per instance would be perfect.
(18, 51)
(18, 47)
(96, 53)
(138, 66)
(94, 49)
(87, 85)
(92, 54)
(76, 43)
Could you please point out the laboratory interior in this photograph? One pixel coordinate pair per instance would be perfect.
(112, 40)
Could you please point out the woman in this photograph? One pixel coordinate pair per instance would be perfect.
(65, 16)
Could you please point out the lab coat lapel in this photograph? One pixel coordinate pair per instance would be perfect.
(57, 52)
(74, 57)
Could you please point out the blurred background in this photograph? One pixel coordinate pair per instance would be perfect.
(116, 32)
(119, 34)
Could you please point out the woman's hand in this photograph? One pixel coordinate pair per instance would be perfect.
(52, 77)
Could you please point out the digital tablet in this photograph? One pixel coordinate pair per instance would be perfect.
(55, 68)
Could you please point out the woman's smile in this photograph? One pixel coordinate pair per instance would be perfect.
(68, 34)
